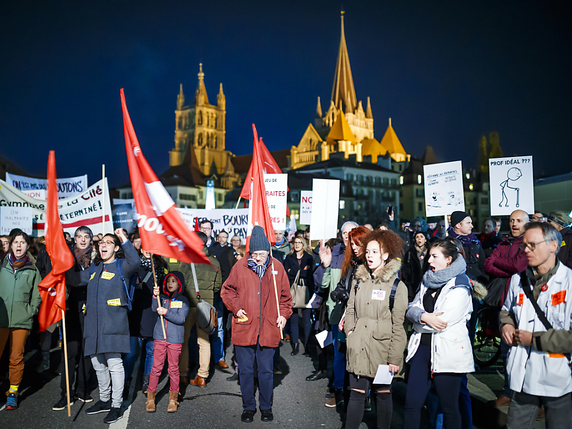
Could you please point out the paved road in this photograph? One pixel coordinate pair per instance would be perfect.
(297, 403)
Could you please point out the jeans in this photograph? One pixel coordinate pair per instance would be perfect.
(339, 359)
(294, 323)
(436, 415)
(523, 409)
(137, 343)
(217, 341)
(84, 368)
(245, 356)
(172, 352)
(110, 375)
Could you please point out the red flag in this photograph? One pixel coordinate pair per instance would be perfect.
(162, 230)
(53, 287)
(258, 213)
(196, 224)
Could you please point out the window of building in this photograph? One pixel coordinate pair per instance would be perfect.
(420, 207)
(401, 193)
(187, 197)
(400, 207)
(400, 180)
(350, 177)
(219, 197)
(419, 193)
(342, 204)
(471, 187)
(484, 200)
(419, 179)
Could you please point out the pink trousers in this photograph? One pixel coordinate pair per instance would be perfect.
(172, 351)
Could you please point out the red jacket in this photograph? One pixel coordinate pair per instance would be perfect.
(244, 289)
(507, 259)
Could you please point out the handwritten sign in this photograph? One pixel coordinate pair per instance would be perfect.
(276, 188)
(305, 207)
(444, 188)
(512, 185)
(17, 217)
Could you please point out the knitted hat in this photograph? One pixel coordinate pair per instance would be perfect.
(457, 217)
(560, 218)
(258, 240)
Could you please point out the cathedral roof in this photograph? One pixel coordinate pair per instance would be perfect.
(201, 94)
(344, 91)
(186, 174)
(341, 162)
(429, 156)
(341, 130)
(391, 142)
(242, 163)
(372, 147)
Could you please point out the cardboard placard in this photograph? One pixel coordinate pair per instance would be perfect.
(511, 185)
(325, 207)
(276, 189)
(305, 208)
(443, 188)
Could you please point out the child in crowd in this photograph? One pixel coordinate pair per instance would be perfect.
(174, 309)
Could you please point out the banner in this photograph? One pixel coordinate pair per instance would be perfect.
(305, 208)
(511, 185)
(84, 209)
(67, 187)
(326, 195)
(123, 217)
(276, 188)
(15, 217)
(443, 188)
(234, 222)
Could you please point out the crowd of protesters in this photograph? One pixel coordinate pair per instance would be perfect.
(393, 303)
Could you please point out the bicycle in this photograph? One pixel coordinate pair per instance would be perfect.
(487, 342)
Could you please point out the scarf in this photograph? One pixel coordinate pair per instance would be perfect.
(83, 257)
(483, 237)
(421, 252)
(538, 280)
(437, 279)
(258, 269)
(18, 263)
(465, 239)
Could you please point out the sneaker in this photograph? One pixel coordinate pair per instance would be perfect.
(11, 401)
(233, 377)
(86, 397)
(113, 415)
(367, 406)
(331, 402)
(62, 404)
(336, 400)
(99, 407)
(277, 370)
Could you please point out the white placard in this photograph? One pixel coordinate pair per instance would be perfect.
(324, 338)
(234, 222)
(383, 376)
(85, 209)
(39, 194)
(443, 188)
(67, 186)
(325, 206)
(16, 217)
(276, 188)
(305, 207)
(511, 185)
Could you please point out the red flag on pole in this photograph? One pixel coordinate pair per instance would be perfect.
(53, 287)
(196, 224)
(162, 230)
(258, 213)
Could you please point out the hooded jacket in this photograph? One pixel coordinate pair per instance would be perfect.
(377, 334)
(174, 318)
(328, 278)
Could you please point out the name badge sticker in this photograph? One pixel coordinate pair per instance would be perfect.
(520, 299)
(106, 275)
(378, 295)
(558, 297)
(176, 304)
(114, 302)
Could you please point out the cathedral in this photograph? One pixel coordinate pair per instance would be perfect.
(346, 128)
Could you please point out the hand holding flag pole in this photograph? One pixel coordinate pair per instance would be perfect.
(158, 298)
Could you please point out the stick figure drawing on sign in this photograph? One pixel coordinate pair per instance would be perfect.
(513, 174)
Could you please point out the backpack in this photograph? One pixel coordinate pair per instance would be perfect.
(129, 291)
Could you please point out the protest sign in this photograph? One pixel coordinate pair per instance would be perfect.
(39, 194)
(305, 207)
(443, 188)
(234, 222)
(276, 188)
(123, 217)
(67, 186)
(511, 185)
(85, 209)
(210, 200)
(15, 217)
(325, 206)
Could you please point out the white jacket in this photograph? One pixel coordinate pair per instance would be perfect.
(531, 371)
(451, 349)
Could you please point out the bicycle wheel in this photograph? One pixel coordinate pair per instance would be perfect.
(486, 349)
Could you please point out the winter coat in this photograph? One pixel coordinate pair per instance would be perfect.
(77, 278)
(489, 242)
(292, 267)
(328, 278)
(565, 252)
(284, 248)
(377, 334)
(412, 270)
(174, 318)
(245, 290)
(225, 258)
(451, 349)
(106, 325)
(19, 295)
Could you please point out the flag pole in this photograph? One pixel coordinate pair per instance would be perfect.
(103, 186)
(66, 361)
(276, 293)
(158, 297)
(237, 203)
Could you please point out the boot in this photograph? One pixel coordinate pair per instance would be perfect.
(173, 401)
(295, 348)
(150, 401)
(145, 383)
(44, 365)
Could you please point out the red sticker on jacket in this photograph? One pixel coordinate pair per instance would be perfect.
(520, 299)
(544, 288)
(558, 297)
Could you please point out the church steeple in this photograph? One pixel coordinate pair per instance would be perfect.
(180, 99)
(368, 113)
(344, 89)
(319, 109)
(221, 99)
(201, 96)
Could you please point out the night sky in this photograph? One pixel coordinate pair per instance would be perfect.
(445, 72)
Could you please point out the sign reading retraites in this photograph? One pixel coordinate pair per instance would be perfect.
(67, 186)
(85, 209)
(305, 208)
(325, 206)
(234, 222)
(15, 217)
(443, 188)
(511, 184)
(276, 188)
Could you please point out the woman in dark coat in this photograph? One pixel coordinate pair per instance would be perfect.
(415, 263)
(106, 332)
(300, 261)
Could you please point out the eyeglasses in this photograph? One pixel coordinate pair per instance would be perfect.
(106, 243)
(530, 246)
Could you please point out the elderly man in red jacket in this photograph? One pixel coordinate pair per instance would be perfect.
(250, 294)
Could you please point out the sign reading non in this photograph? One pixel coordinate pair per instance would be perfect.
(305, 207)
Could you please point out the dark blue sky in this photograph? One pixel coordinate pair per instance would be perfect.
(445, 72)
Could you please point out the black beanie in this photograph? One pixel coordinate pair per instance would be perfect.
(258, 240)
(457, 217)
